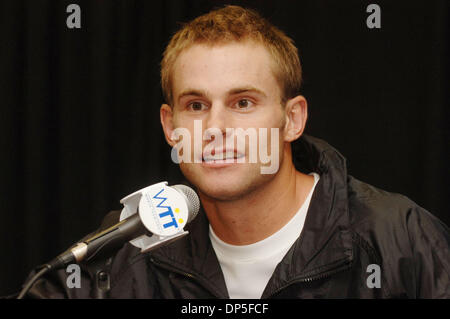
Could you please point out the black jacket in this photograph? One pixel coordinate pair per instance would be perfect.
(349, 226)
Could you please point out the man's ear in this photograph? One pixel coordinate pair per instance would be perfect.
(166, 115)
(296, 112)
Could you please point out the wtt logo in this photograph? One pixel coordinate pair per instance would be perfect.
(163, 209)
(168, 212)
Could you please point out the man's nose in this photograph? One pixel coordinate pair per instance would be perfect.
(217, 118)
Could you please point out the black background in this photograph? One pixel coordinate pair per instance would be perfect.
(79, 108)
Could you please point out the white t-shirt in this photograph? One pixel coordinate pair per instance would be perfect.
(248, 268)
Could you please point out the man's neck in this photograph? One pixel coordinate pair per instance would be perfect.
(262, 212)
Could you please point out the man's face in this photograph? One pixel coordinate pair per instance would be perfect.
(226, 86)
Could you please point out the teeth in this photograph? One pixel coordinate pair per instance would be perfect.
(222, 156)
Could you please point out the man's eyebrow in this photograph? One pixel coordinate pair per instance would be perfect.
(244, 89)
(192, 92)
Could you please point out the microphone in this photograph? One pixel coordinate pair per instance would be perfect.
(151, 217)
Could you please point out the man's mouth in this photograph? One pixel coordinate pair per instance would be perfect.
(229, 156)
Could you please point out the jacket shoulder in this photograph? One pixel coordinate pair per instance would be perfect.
(383, 213)
(369, 203)
(412, 244)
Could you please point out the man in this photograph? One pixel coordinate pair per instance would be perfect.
(303, 230)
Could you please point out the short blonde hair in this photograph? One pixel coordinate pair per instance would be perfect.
(234, 23)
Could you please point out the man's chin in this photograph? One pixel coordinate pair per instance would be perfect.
(231, 186)
(222, 188)
(221, 194)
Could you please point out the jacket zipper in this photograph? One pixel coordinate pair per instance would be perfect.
(337, 269)
(186, 274)
(329, 273)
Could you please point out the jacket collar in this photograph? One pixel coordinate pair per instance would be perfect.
(325, 242)
(323, 245)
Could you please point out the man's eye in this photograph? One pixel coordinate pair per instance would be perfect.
(196, 106)
(244, 104)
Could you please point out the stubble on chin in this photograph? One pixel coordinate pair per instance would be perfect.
(225, 189)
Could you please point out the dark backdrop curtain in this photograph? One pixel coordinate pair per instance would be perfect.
(79, 108)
